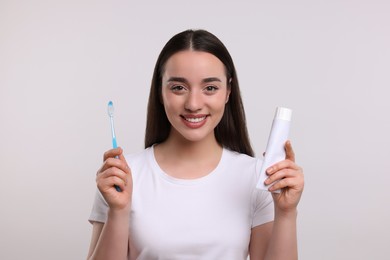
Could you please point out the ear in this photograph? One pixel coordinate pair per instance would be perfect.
(227, 96)
(229, 89)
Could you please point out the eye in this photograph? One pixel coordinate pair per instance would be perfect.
(177, 88)
(210, 89)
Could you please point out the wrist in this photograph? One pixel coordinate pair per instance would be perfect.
(286, 214)
(118, 213)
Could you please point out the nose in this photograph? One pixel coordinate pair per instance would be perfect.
(194, 101)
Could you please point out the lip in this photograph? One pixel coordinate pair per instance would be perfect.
(194, 121)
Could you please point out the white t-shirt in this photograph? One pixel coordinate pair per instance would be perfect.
(206, 218)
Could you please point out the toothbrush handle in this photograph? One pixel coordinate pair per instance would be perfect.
(117, 188)
(114, 145)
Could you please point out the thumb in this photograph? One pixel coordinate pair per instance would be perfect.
(290, 155)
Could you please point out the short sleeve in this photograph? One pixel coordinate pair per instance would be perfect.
(262, 203)
(99, 209)
(263, 207)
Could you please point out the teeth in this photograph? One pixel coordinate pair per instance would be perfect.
(195, 120)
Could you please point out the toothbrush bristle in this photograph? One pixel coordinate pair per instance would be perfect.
(110, 108)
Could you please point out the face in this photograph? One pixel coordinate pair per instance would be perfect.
(194, 94)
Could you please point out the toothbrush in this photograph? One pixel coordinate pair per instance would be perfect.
(110, 110)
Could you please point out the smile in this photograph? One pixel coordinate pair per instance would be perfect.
(195, 119)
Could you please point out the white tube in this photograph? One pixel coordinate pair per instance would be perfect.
(275, 147)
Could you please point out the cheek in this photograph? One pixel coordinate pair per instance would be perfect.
(170, 104)
(220, 102)
(164, 99)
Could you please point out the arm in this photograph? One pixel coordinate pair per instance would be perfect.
(260, 237)
(283, 242)
(110, 240)
(275, 240)
(278, 239)
(96, 230)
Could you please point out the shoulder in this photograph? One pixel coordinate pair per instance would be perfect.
(237, 158)
(135, 157)
(242, 164)
(139, 159)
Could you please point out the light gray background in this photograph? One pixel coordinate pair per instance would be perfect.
(61, 61)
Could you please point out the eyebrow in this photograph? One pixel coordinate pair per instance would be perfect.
(183, 80)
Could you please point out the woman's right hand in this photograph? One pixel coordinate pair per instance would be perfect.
(115, 171)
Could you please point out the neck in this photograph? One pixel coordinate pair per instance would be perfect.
(184, 159)
(182, 148)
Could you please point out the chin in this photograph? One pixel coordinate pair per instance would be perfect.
(195, 137)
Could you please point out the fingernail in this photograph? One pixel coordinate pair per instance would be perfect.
(269, 170)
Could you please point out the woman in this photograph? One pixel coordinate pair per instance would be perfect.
(191, 193)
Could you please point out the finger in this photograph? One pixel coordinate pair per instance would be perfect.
(112, 153)
(297, 182)
(118, 173)
(112, 172)
(111, 182)
(126, 167)
(282, 165)
(284, 183)
(114, 162)
(286, 173)
(290, 155)
(119, 182)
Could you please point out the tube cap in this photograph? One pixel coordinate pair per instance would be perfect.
(283, 113)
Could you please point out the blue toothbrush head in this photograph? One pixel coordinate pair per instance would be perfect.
(110, 108)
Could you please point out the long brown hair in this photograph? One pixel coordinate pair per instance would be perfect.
(231, 132)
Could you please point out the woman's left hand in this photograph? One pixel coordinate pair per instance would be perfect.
(290, 180)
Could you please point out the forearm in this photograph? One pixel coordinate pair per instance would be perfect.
(114, 238)
(283, 241)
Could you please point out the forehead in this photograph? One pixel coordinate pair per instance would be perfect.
(193, 63)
